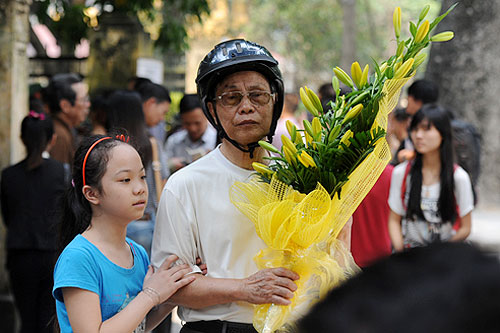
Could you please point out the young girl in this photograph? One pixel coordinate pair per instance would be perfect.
(102, 280)
(30, 191)
(430, 195)
(125, 112)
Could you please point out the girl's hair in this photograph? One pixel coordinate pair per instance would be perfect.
(77, 212)
(37, 130)
(125, 113)
(437, 117)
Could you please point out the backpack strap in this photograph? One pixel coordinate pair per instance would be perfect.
(403, 185)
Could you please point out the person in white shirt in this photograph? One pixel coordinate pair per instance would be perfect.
(241, 90)
(431, 199)
(195, 140)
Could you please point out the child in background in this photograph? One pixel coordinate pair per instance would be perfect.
(30, 191)
(428, 195)
(102, 280)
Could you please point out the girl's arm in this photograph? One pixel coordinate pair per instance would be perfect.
(84, 311)
(464, 230)
(395, 232)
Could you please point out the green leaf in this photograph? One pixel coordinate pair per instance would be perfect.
(413, 29)
(440, 18)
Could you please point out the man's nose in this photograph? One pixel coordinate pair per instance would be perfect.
(246, 105)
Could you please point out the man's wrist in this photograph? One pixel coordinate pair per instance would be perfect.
(239, 290)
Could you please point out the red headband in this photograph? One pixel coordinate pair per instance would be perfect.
(119, 137)
(88, 153)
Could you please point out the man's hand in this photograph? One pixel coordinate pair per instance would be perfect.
(272, 285)
(406, 155)
(202, 266)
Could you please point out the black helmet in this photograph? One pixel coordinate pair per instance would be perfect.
(235, 56)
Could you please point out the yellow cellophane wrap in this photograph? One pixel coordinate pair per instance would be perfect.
(301, 230)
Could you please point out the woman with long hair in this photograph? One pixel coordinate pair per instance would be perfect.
(431, 198)
(30, 192)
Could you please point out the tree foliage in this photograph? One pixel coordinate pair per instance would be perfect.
(309, 33)
(70, 21)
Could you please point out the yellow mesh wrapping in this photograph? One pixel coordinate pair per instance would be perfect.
(301, 230)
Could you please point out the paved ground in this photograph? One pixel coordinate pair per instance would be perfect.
(485, 234)
(486, 228)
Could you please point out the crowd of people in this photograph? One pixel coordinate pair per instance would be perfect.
(140, 220)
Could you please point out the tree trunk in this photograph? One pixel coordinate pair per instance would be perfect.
(467, 71)
(14, 33)
(348, 34)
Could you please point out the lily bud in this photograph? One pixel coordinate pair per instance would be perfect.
(308, 127)
(404, 69)
(262, 169)
(364, 76)
(356, 74)
(289, 156)
(352, 113)
(316, 128)
(307, 102)
(333, 133)
(343, 77)
(292, 129)
(383, 67)
(419, 60)
(424, 12)
(309, 140)
(288, 143)
(443, 36)
(306, 160)
(314, 99)
(422, 31)
(336, 85)
(396, 21)
(267, 146)
(298, 139)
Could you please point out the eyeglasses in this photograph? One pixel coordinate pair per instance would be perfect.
(233, 98)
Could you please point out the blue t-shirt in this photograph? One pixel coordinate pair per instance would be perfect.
(83, 266)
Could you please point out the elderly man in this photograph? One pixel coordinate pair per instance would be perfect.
(68, 101)
(241, 90)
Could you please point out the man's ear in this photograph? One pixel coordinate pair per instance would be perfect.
(91, 194)
(64, 105)
(146, 105)
(211, 108)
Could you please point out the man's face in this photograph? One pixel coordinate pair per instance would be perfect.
(78, 112)
(413, 105)
(155, 112)
(246, 121)
(195, 123)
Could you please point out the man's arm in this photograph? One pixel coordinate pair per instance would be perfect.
(274, 285)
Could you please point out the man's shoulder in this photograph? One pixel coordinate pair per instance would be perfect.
(177, 136)
(198, 170)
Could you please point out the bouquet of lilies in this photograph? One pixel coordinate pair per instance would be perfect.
(301, 201)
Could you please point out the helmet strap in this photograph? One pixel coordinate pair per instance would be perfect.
(223, 135)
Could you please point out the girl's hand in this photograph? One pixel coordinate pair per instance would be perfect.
(167, 279)
(203, 267)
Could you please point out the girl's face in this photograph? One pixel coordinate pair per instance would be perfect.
(426, 138)
(124, 190)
